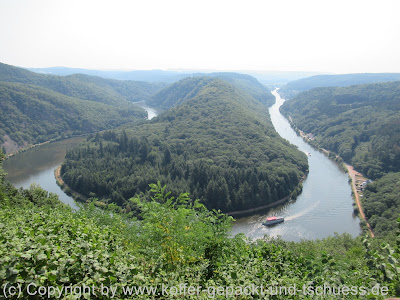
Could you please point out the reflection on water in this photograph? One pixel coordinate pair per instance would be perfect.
(323, 208)
(37, 165)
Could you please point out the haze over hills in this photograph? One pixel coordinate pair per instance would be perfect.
(219, 144)
(137, 75)
(292, 88)
(36, 107)
(269, 78)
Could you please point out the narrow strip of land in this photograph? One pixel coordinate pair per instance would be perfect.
(256, 209)
(353, 173)
(75, 195)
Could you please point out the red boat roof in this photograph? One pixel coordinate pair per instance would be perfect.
(271, 218)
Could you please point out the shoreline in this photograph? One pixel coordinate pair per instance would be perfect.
(352, 174)
(245, 212)
(24, 149)
(66, 189)
(348, 168)
(239, 213)
(242, 213)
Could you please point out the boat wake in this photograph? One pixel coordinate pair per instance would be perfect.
(303, 212)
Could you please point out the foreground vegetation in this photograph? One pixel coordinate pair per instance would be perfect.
(173, 242)
(360, 124)
(217, 144)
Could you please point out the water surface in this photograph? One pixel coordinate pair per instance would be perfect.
(323, 208)
(37, 165)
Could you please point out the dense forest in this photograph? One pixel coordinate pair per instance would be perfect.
(295, 87)
(218, 144)
(362, 124)
(36, 107)
(381, 203)
(174, 243)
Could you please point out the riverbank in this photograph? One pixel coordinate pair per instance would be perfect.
(23, 149)
(309, 138)
(241, 213)
(70, 192)
(61, 183)
(353, 175)
(293, 195)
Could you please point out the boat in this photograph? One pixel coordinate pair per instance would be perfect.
(272, 221)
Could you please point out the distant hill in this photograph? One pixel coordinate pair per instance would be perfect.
(269, 78)
(294, 87)
(189, 87)
(138, 75)
(216, 142)
(31, 114)
(83, 86)
(37, 107)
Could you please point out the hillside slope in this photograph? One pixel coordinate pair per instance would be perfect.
(84, 87)
(219, 144)
(30, 114)
(360, 123)
(37, 107)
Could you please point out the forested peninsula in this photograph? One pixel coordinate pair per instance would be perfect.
(217, 143)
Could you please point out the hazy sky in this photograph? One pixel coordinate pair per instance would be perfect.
(302, 35)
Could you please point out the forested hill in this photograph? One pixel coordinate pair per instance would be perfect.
(294, 87)
(219, 145)
(30, 115)
(189, 87)
(36, 108)
(362, 124)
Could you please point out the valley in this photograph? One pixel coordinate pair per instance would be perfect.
(163, 187)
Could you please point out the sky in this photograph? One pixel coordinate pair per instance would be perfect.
(349, 36)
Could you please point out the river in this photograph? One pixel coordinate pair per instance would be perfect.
(323, 208)
(37, 165)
